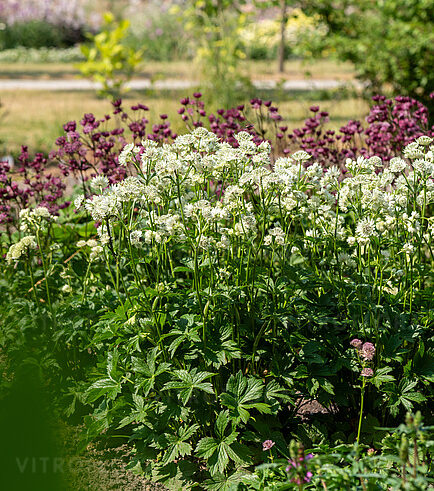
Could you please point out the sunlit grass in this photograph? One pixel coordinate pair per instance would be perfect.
(35, 118)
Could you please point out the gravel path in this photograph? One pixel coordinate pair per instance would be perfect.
(169, 84)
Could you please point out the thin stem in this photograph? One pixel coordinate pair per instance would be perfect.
(361, 412)
(47, 288)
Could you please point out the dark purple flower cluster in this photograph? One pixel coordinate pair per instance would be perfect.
(394, 123)
(93, 146)
(30, 182)
(391, 124)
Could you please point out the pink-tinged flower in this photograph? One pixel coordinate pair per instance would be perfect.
(367, 351)
(371, 451)
(267, 445)
(367, 372)
(356, 343)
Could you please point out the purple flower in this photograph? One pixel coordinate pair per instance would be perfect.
(367, 372)
(356, 343)
(267, 445)
(368, 351)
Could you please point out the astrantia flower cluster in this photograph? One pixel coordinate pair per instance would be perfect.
(21, 248)
(94, 146)
(207, 192)
(366, 353)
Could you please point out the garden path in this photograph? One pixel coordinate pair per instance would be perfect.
(168, 84)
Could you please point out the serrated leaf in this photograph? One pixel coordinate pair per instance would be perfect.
(242, 394)
(190, 381)
(105, 386)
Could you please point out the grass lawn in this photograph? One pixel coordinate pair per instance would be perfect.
(35, 118)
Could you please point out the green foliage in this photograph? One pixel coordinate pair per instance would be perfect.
(197, 324)
(157, 29)
(400, 461)
(390, 43)
(38, 34)
(108, 60)
(41, 55)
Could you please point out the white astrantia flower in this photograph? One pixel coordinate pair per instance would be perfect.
(424, 140)
(397, 165)
(375, 161)
(300, 156)
(98, 183)
(423, 166)
(365, 230)
(246, 226)
(126, 156)
(16, 251)
(275, 236)
(103, 206)
(136, 237)
(408, 249)
(331, 177)
(243, 136)
(78, 202)
(413, 151)
(36, 218)
(96, 253)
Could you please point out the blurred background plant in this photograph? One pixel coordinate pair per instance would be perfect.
(303, 34)
(109, 61)
(44, 23)
(21, 54)
(390, 43)
(154, 26)
(215, 29)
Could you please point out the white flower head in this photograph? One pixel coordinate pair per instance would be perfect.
(424, 140)
(136, 237)
(99, 183)
(78, 202)
(125, 157)
(300, 156)
(365, 230)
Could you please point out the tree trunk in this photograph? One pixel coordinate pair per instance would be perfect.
(283, 20)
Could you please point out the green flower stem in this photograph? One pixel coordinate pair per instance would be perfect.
(29, 267)
(85, 281)
(44, 266)
(362, 399)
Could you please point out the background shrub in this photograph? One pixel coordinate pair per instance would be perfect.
(390, 43)
(155, 28)
(38, 34)
(38, 23)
